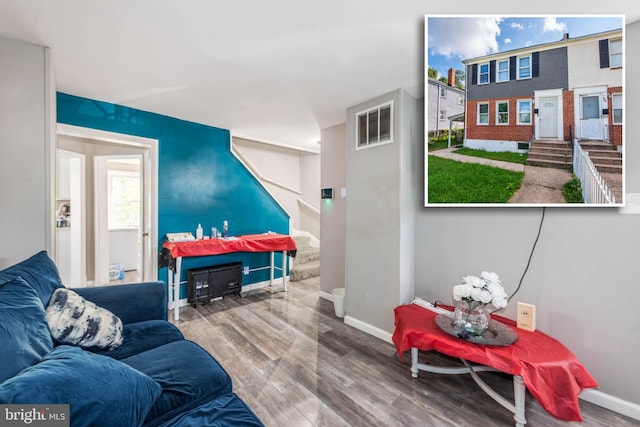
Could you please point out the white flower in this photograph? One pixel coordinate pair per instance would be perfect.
(485, 296)
(474, 281)
(490, 277)
(461, 291)
(499, 302)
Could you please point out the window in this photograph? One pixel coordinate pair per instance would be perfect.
(460, 99)
(375, 125)
(524, 67)
(503, 70)
(616, 103)
(524, 112)
(443, 114)
(123, 199)
(615, 53)
(483, 75)
(483, 113)
(502, 112)
(443, 92)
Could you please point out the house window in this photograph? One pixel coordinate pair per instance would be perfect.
(502, 112)
(615, 53)
(524, 112)
(443, 114)
(443, 92)
(483, 75)
(503, 70)
(483, 113)
(123, 199)
(460, 99)
(616, 103)
(375, 126)
(524, 67)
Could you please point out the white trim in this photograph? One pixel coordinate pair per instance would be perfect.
(488, 73)
(378, 107)
(518, 58)
(498, 61)
(611, 403)
(478, 113)
(503, 101)
(369, 329)
(325, 295)
(549, 93)
(151, 174)
(578, 94)
(518, 122)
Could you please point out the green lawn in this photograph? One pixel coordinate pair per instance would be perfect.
(504, 156)
(440, 143)
(455, 182)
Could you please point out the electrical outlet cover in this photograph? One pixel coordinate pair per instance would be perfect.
(526, 318)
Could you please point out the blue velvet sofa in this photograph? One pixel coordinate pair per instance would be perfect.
(154, 378)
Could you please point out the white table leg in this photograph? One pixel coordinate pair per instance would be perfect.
(176, 289)
(414, 362)
(271, 269)
(519, 393)
(284, 270)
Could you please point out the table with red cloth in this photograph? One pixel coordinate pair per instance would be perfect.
(266, 242)
(548, 369)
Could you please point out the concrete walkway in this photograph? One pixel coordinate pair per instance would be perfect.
(539, 185)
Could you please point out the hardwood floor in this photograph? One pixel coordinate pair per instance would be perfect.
(296, 364)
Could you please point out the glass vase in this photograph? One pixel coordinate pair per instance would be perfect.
(470, 318)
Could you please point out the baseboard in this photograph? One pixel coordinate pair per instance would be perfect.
(611, 403)
(369, 329)
(326, 295)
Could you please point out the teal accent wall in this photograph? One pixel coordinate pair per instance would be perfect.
(200, 180)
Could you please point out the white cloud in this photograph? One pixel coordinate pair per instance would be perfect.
(517, 25)
(551, 25)
(507, 40)
(463, 37)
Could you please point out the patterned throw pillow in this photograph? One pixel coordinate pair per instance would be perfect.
(77, 321)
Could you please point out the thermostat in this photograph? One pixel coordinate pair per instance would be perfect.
(327, 193)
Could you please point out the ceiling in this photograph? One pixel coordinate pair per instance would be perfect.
(275, 71)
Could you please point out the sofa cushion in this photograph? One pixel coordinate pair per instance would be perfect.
(100, 391)
(188, 375)
(142, 336)
(225, 411)
(77, 321)
(39, 271)
(24, 335)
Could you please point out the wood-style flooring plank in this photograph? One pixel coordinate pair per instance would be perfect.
(296, 364)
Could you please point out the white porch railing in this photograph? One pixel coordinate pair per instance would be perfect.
(594, 188)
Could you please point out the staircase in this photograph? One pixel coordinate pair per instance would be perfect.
(550, 154)
(306, 263)
(605, 157)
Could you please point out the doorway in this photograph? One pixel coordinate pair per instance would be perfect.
(548, 117)
(590, 118)
(120, 193)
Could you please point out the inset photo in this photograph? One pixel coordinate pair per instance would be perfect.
(524, 110)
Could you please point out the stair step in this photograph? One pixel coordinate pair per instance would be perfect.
(306, 254)
(586, 145)
(302, 241)
(304, 271)
(560, 157)
(609, 168)
(606, 160)
(549, 163)
(604, 153)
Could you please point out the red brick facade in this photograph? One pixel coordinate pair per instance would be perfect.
(568, 117)
(615, 130)
(493, 131)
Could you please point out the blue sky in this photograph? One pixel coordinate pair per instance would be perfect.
(452, 38)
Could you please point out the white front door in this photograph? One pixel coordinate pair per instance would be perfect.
(590, 119)
(548, 111)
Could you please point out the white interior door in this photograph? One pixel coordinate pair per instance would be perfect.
(590, 118)
(548, 111)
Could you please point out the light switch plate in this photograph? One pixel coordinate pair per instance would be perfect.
(526, 318)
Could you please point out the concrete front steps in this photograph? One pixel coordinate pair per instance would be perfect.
(605, 157)
(306, 263)
(550, 154)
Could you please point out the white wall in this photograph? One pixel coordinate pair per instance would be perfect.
(288, 174)
(26, 115)
(584, 65)
(333, 212)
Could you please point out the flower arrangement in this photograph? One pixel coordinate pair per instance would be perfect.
(485, 289)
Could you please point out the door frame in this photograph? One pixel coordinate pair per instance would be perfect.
(149, 229)
(549, 93)
(578, 94)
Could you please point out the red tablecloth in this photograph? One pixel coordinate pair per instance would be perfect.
(550, 371)
(267, 242)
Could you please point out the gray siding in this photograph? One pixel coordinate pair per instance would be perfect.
(554, 74)
(434, 103)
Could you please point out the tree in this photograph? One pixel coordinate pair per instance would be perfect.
(460, 79)
(432, 73)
